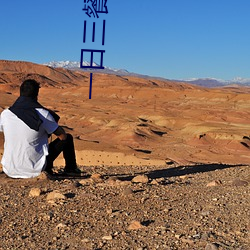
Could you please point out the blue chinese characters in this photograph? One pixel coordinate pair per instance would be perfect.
(92, 8)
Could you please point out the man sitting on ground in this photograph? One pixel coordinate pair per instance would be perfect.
(27, 126)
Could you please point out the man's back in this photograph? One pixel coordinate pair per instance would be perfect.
(25, 149)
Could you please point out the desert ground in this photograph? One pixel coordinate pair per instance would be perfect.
(165, 165)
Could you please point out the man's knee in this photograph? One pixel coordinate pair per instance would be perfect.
(69, 137)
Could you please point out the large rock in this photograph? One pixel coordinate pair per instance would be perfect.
(35, 192)
(140, 179)
(211, 246)
(55, 195)
(214, 183)
(135, 225)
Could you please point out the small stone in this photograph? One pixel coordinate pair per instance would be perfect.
(35, 192)
(43, 176)
(197, 236)
(124, 183)
(116, 233)
(190, 242)
(183, 177)
(167, 210)
(143, 199)
(135, 225)
(211, 246)
(205, 236)
(108, 237)
(46, 217)
(239, 183)
(97, 178)
(109, 211)
(205, 213)
(238, 233)
(55, 195)
(112, 178)
(127, 191)
(154, 182)
(214, 183)
(178, 236)
(112, 181)
(140, 179)
(85, 181)
(85, 240)
(60, 225)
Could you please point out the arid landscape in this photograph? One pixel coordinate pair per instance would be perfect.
(165, 165)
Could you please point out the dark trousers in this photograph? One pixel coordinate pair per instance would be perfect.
(67, 147)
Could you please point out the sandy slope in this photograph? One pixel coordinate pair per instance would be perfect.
(139, 121)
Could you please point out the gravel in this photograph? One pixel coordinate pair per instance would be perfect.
(107, 209)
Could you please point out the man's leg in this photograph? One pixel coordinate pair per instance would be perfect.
(68, 149)
(69, 154)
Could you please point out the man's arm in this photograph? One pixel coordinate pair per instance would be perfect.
(60, 133)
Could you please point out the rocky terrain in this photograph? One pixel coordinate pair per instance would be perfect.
(165, 166)
(176, 207)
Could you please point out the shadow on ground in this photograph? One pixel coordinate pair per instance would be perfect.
(159, 173)
(180, 171)
(186, 170)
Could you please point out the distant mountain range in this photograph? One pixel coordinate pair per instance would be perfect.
(76, 66)
(204, 82)
(213, 82)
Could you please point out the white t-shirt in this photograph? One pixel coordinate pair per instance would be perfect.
(25, 149)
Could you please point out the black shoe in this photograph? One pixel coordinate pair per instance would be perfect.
(49, 171)
(73, 171)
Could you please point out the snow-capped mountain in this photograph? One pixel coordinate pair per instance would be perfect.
(67, 64)
(76, 65)
(213, 82)
(205, 82)
(242, 81)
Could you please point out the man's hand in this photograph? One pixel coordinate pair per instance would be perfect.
(60, 133)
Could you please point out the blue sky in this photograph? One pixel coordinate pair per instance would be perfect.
(175, 39)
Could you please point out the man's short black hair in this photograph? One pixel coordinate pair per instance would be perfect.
(29, 88)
